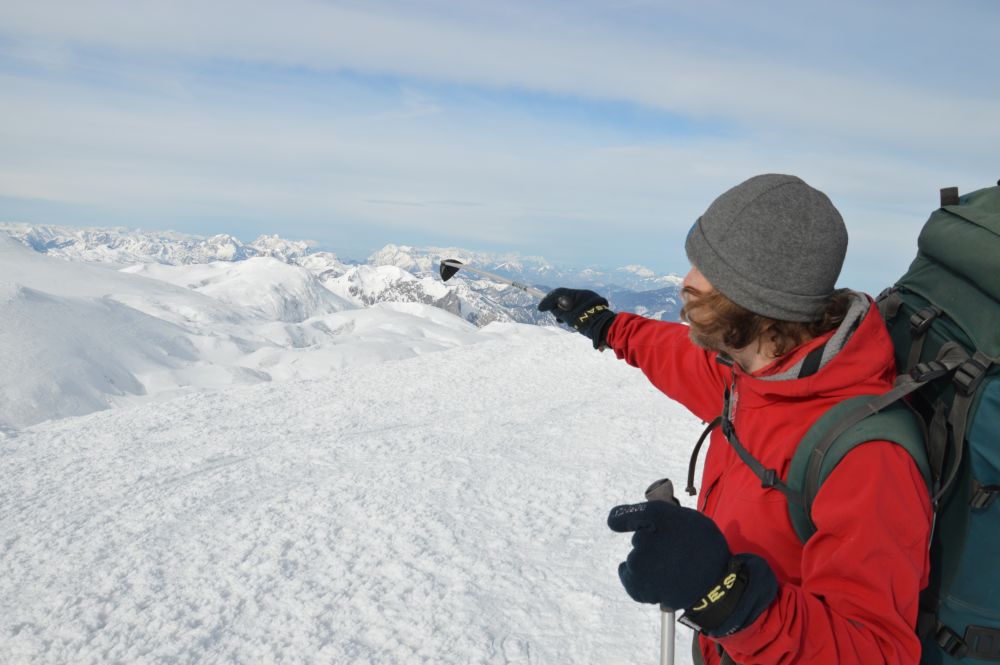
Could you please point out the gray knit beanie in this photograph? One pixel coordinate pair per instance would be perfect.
(773, 245)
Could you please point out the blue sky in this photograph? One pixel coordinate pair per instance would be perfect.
(590, 132)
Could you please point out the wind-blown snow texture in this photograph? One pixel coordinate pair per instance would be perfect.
(447, 508)
(286, 475)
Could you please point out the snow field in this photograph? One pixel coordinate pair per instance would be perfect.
(443, 508)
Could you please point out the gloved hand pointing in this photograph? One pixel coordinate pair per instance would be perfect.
(583, 310)
(681, 560)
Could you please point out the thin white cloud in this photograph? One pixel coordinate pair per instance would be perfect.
(413, 104)
(577, 57)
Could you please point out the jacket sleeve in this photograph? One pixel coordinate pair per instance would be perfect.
(862, 571)
(671, 361)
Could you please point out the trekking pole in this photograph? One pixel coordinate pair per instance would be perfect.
(663, 490)
(450, 266)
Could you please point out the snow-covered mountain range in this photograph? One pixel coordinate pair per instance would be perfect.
(395, 273)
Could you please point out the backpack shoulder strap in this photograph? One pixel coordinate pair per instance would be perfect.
(841, 429)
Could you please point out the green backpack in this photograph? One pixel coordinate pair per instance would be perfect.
(944, 319)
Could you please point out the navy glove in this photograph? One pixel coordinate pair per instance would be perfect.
(583, 310)
(680, 560)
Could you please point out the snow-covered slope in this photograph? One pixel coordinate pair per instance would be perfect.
(221, 312)
(79, 337)
(446, 508)
(271, 288)
(66, 356)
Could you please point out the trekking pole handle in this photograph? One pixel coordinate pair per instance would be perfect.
(663, 490)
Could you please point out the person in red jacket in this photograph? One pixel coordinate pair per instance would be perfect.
(771, 345)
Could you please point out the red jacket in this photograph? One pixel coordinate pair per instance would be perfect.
(851, 594)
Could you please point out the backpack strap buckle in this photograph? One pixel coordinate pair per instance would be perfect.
(983, 495)
(970, 374)
(922, 320)
(951, 642)
(929, 371)
(769, 478)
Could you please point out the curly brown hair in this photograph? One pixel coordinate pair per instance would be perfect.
(717, 322)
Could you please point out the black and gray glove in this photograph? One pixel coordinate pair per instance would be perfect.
(583, 310)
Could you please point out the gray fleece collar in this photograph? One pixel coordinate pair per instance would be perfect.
(855, 314)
